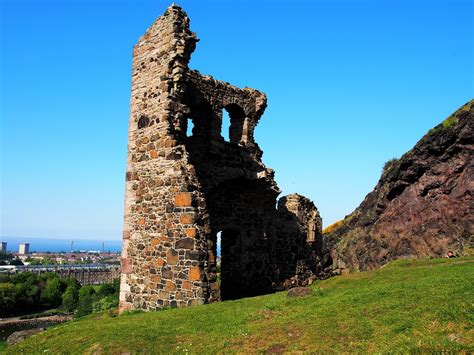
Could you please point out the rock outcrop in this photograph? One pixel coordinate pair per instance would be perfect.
(18, 337)
(422, 205)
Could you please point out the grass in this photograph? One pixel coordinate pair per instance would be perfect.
(451, 120)
(331, 228)
(407, 306)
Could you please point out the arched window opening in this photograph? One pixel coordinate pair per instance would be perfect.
(226, 126)
(236, 119)
(199, 122)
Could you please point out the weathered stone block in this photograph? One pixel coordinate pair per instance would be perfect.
(183, 199)
(167, 274)
(194, 255)
(170, 286)
(187, 285)
(191, 232)
(159, 262)
(194, 274)
(172, 257)
(126, 266)
(186, 218)
(153, 154)
(155, 278)
(163, 294)
(185, 243)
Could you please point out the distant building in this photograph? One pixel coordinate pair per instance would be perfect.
(24, 248)
(4, 247)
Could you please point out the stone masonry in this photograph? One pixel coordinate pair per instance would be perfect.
(183, 189)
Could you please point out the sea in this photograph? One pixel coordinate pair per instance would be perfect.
(38, 244)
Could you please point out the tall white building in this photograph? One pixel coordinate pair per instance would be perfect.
(4, 247)
(24, 248)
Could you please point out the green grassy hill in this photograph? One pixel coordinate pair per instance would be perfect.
(425, 305)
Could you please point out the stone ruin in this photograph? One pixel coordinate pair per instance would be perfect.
(181, 191)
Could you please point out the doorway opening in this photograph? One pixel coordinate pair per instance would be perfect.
(218, 257)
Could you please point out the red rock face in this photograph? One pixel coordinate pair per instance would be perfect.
(422, 205)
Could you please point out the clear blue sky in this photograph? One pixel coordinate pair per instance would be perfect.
(350, 84)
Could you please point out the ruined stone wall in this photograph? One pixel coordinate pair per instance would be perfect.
(301, 251)
(162, 249)
(181, 191)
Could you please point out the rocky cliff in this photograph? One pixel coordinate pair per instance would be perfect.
(422, 205)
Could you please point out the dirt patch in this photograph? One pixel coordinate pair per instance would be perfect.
(267, 314)
(276, 349)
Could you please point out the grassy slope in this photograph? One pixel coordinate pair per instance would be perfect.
(425, 305)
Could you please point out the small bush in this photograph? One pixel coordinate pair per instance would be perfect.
(389, 164)
(105, 304)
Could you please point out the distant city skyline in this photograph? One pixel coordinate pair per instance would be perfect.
(350, 85)
(56, 245)
(24, 248)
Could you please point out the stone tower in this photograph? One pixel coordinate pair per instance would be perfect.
(183, 189)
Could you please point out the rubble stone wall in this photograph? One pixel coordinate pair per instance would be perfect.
(181, 191)
(301, 251)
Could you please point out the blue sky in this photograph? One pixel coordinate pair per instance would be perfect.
(350, 84)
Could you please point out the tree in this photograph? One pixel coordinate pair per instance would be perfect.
(71, 281)
(6, 256)
(52, 293)
(87, 297)
(16, 262)
(70, 299)
(28, 290)
(106, 290)
(7, 299)
(71, 295)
